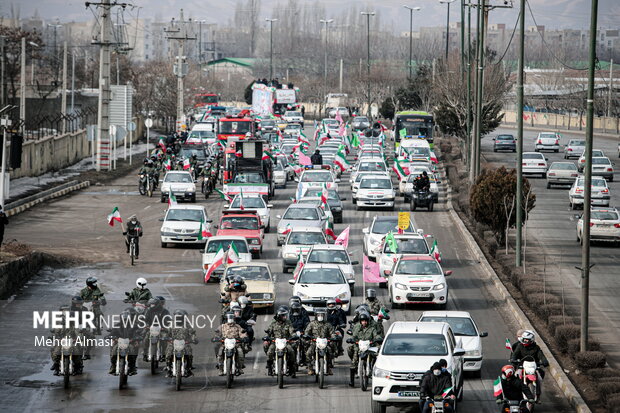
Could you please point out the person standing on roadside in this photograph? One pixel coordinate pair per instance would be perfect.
(4, 221)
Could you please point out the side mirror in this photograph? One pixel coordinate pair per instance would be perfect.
(279, 216)
(365, 231)
(209, 220)
(226, 205)
(355, 262)
(546, 159)
(296, 179)
(161, 219)
(387, 272)
(484, 334)
(269, 205)
(343, 199)
(458, 352)
(291, 281)
(215, 226)
(420, 231)
(447, 273)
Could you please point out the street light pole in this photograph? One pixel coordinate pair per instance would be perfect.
(448, 2)
(587, 185)
(325, 22)
(462, 39)
(519, 223)
(271, 47)
(411, 10)
(368, 14)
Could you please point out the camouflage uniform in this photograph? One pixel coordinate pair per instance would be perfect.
(374, 305)
(235, 331)
(361, 333)
(94, 296)
(279, 329)
(87, 333)
(182, 333)
(59, 334)
(139, 295)
(318, 329)
(233, 294)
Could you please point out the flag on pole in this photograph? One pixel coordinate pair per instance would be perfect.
(287, 229)
(324, 195)
(355, 140)
(232, 255)
(341, 160)
(202, 231)
(497, 387)
(508, 345)
(268, 155)
(371, 271)
(298, 268)
(217, 261)
(241, 205)
(338, 117)
(172, 200)
(383, 314)
(446, 392)
(223, 195)
(167, 164)
(435, 252)
(330, 232)
(304, 159)
(186, 164)
(162, 144)
(390, 241)
(343, 238)
(400, 172)
(114, 216)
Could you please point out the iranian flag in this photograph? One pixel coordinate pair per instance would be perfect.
(330, 232)
(162, 145)
(341, 161)
(217, 261)
(172, 200)
(383, 314)
(287, 229)
(232, 255)
(399, 170)
(186, 164)
(446, 392)
(202, 231)
(302, 138)
(223, 195)
(241, 206)
(114, 216)
(497, 387)
(298, 268)
(508, 345)
(324, 195)
(268, 155)
(435, 252)
(167, 164)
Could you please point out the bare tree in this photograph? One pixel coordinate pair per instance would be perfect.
(508, 213)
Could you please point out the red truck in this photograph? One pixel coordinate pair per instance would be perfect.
(244, 223)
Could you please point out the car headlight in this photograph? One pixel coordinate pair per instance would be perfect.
(266, 296)
(290, 255)
(190, 188)
(439, 286)
(400, 286)
(473, 353)
(166, 229)
(374, 241)
(302, 295)
(342, 295)
(253, 241)
(380, 373)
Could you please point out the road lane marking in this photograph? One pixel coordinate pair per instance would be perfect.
(147, 207)
(255, 366)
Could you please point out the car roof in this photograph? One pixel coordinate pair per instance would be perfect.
(185, 206)
(249, 264)
(386, 218)
(534, 153)
(227, 237)
(417, 258)
(331, 247)
(461, 314)
(317, 265)
(300, 206)
(178, 172)
(408, 235)
(306, 229)
(404, 327)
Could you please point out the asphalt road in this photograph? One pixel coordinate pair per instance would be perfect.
(552, 225)
(77, 226)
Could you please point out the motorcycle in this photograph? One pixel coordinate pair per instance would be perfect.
(281, 363)
(422, 199)
(230, 359)
(156, 353)
(146, 184)
(179, 362)
(300, 351)
(320, 359)
(69, 366)
(122, 361)
(515, 406)
(438, 404)
(528, 371)
(367, 357)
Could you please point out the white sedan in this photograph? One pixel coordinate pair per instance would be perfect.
(600, 192)
(181, 225)
(316, 283)
(316, 178)
(181, 184)
(378, 229)
(333, 254)
(254, 202)
(298, 244)
(604, 225)
(418, 279)
(463, 327)
(534, 163)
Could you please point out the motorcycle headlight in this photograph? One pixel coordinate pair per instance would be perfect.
(400, 286)
(473, 353)
(439, 286)
(380, 373)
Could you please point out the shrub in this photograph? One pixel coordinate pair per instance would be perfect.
(574, 345)
(605, 390)
(565, 333)
(587, 360)
(555, 321)
(613, 403)
(548, 310)
(605, 372)
(529, 287)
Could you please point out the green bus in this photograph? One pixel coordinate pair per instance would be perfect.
(413, 124)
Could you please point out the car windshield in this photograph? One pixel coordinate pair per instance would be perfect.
(596, 152)
(375, 183)
(249, 272)
(267, 123)
(331, 122)
(372, 166)
(194, 215)
(321, 276)
(278, 167)
(577, 143)
(306, 238)
(414, 171)
(360, 119)
(292, 113)
(595, 182)
(249, 178)
(215, 245)
(304, 214)
(203, 134)
(333, 195)
(414, 345)
(384, 226)
(605, 215)
(461, 326)
(408, 246)
(321, 176)
(419, 152)
(418, 267)
(251, 202)
(538, 156)
(239, 223)
(329, 257)
(600, 161)
(294, 126)
(564, 166)
(505, 138)
(547, 136)
(238, 128)
(183, 178)
(188, 152)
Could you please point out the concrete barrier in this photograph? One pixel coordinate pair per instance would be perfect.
(14, 274)
(23, 204)
(573, 123)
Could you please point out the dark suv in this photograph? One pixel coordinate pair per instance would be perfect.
(504, 143)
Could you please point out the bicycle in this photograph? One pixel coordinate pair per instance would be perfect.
(132, 249)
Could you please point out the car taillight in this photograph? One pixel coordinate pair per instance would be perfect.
(574, 175)
(524, 164)
(604, 190)
(610, 170)
(578, 190)
(617, 225)
(570, 149)
(551, 174)
(591, 224)
(541, 164)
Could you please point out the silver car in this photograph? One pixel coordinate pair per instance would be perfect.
(300, 215)
(581, 163)
(561, 173)
(574, 148)
(602, 166)
(600, 192)
(604, 225)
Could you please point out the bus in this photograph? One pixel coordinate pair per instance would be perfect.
(413, 124)
(206, 99)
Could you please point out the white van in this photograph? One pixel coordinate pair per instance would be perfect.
(202, 133)
(415, 148)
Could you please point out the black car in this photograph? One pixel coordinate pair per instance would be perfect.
(360, 123)
(504, 143)
(335, 204)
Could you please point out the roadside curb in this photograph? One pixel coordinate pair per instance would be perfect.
(560, 131)
(555, 370)
(21, 205)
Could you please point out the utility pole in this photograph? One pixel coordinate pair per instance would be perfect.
(611, 86)
(2, 89)
(180, 69)
(271, 47)
(325, 22)
(448, 2)
(587, 186)
(63, 97)
(411, 10)
(55, 26)
(341, 72)
(479, 91)
(463, 39)
(72, 82)
(520, 79)
(468, 124)
(22, 87)
(368, 14)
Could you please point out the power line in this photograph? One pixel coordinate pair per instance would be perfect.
(510, 41)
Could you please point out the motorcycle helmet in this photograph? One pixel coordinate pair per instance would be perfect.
(320, 314)
(169, 151)
(519, 334)
(294, 299)
(230, 317)
(528, 338)
(237, 281)
(508, 371)
(150, 162)
(295, 307)
(282, 313)
(161, 300)
(243, 301)
(152, 302)
(91, 282)
(77, 300)
(364, 316)
(141, 283)
(146, 161)
(331, 304)
(371, 293)
(236, 310)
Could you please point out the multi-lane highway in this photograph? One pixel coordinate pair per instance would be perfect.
(552, 232)
(76, 226)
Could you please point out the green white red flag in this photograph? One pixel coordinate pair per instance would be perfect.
(497, 387)
(167, 164)
(287, 229)
(508, 345)
(172, 200)
(298, 268)
(330, 232)
(223, 195)
(115, 215)
(186, 164)
(232, 255)
(435, 252)
(399, 169)
(217, 261)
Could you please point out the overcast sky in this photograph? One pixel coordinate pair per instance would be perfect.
(551, 13)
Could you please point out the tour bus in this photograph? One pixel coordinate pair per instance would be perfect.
(413, 124)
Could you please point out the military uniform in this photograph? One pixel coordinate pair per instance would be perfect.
(233, 294)
(231, 331)
(154, 316)
(318, 329)
(134, 334)
(94, 296)
(374, 305)
(182, 333)
(279, 329)
(58, 334)
(87, 333)
(139, 295)
(361, 333)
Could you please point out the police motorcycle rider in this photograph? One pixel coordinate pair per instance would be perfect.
(180, 329)
(231, 330)
(362, 330)
(527, 347)
(337, 318)
(300, 320)
(155, 315)
(280, 327)
(92, 294)
(58, 334)
(319, 328)
(140, 294)
(126, 327)
(513, 388)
